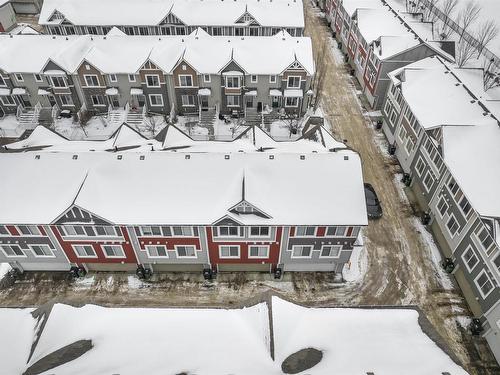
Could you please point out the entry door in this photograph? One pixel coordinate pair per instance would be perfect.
(22, 100)
(204, 102)
(113, 100)
(52, 100)
(249, 102)
(141, 100)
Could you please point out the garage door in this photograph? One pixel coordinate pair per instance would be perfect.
(25, 8)
(45, 266)
(111, 267)
(177, 267)
(244, 267)
(309, 267)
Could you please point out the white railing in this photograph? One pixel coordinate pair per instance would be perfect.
(54, 112)
(36, 113)
(82, 110)
(19, 112)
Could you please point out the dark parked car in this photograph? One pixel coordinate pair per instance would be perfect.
(372, 203)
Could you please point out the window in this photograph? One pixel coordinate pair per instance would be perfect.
(38, 78)
(428, 181)
(97, 100)
(143, 30)
(232, 251)
(227, 232)
(84, 251)
(301, 251)
(66, 100)
(4, 231)
(186, 251)
(113, 251)
(393, 118)
(91, 80)
(19, 77)
(420, 166)
(442, 206)
(187, 100)
(206, 78)
(2, 81)
(152, 80)
(465, 205)
(233, 101)
(453, 186)
(291, 102)
(239, 31)
(452, 225)
(92, 30)
(112, 78)
(272, 79)
(29, 230)
(485, 239)
(157, 251)
(156, 100)
(470, 259)
(182, 231)
(185, 81)
(387, 108)
(131, 78)
(261, 251)
(42, 250)
(7, 100)
(259, 231)
(58, 81)
(72, 230)
(12, 251)
(151, 231)
(216, 31)
(253, 78)
(106, 231)
(496, 262)
(233, 82)
(330, 251)
(294, 82)
(336, 231)
(484, 284)
(305, 231)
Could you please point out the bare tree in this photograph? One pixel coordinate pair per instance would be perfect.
(464, 53)
(486, 33)
(468, 16)
(152, 125)
(321, 69)
(491, 75)
(448, 8)
(429, 13)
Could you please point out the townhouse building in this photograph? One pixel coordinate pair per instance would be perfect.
(173, 17)
(376, 40)
(7, 16)
(186, 74)
(446, 132)
(222, 206)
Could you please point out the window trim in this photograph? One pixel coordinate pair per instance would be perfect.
(218, 235)
(469, 247)
(42, 256)
(19, 77)
(252, 78)
(233, 105)
(288, 82)
(97, 96)
(11, 104)
(188, 104)
(134, 79)
(229, 257)
(111, 79)
(31, 234)
(85, 76)
(147, 247)
(39, 75)
(442, 199)
(205, 80)
(268, 250)
(306, 235)
(428, 188)
(301, 256)
(330, 256)
(185, 75)
(271, 78)
(12, 256)
(73, 247)
(420, 160)
(113, 256)
(250, 235)
(156, 95)
(195, 256)
(294, 98)
(479, 288)
(452, 216)
(152, 75)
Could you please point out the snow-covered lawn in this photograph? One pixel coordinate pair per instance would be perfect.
(4, 268)
(10, 128)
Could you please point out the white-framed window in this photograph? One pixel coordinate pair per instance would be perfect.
(301, 251)
(150, 231)
(113, 78)
(207, 78)
(38, 77)
(84, 251)
(233, 82)
(291, 102)
(485, 238)
(66, 100)
(184, 251)
(97, 100)
(4, 231)
(304, 231)
(72, 230)
(41, 251)
(293, 82)
(185, 80)
(152, 80)
(19, 77)
(229, 251)
(254, 78)
(442, 206)
(452, 225)
(272, 78)
(233, 100)
(131, 77)
(187, 100)
(387, 107)
(157, 251)
(91, 80)
(7, 100)
(182, 231)
(409, 145)
(496, 262)
(336, 231)
(58, 81)
(259, 231)
(393, 118)
(428, 181)
(29, 230)
(156, 100)
(2, 81)
(12, 251)
(484, 284)
(420, 166)
(113, 251)
(470, 259)
(228, 231)
(330, 251)
(106, 230)
(465, 206)
(258, 251)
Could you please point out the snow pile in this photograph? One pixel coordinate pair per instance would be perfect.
(4, 268)
(357, 266)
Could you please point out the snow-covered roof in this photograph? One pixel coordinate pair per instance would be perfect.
(388, 46)
(373, 23)
(278, 13)
(127, 54)
(351, 6)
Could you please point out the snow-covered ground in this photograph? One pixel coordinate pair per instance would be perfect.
(4, 268)
(10, 128)
(219, 341)
(357, 266)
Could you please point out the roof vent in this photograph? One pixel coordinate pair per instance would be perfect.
(187, 157)
(302, 157)
(226, 157)
(75, 157)
(119, 157)
(346, 157)
(271, 157)
(142, 157)
(37, 157)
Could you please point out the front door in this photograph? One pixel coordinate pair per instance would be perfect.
(113, 101)
(52, 100)
(141, 100)
(249, 102)
(259, 106)
(204, 102)
(23, 100)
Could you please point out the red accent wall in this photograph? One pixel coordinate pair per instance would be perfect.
(96, 244)
(274, 249)
(352, 48)
(321, 232)
(13, 230)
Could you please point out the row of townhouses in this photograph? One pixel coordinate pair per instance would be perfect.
(445, 131)
(252, 204)
(378, 39)
(185, 74)
(7, 16)
(173, 17)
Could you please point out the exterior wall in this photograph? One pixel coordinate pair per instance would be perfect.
(123, 85)
(7, 17)
(30, 261)
(184, 68)
(68, 90)
(493, 333)
(87, 90)
(230, 91)
(150, 69)
(4, 108)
